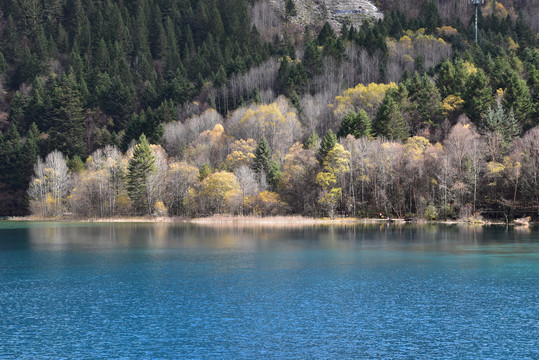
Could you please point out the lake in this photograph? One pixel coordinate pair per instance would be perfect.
(179, 291)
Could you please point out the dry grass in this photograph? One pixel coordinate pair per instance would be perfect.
(276, 221)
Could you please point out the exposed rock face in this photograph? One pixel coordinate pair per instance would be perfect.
(336, 12)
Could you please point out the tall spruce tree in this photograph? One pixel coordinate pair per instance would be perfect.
(67, 122)
(356, 124)
(389, 119)
(262, 161)
(477, 96)
(517, 97)
(328, 143)
(141, 165)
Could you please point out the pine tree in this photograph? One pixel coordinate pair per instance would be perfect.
(311, 141)
(328, 143)
(290, 9)
(356, 124)
(325, 33)
(274, 175)
(389, 120)
(30, 151)
(141, 165)
(67, 123)
(204, 171)
(477, 95)
(312, 60)
(294, 98)
(517, 97)
(262, 161)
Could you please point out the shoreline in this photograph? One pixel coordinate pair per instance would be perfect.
(238, 220)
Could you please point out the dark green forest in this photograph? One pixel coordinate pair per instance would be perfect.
(190, 108)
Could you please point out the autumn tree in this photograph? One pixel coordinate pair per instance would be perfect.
(181, 177)
(298, 186)
(219, 192)
(49, 185)
(336, 164)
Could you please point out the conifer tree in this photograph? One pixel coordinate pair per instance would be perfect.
(312, 60)
(30, 151)
(141, 165)
(517, 97)
(290, 9)
(325, 33)
(389, 120)
(67, 123)
(311, 141)
(262, 161)
(274, 175)
(356, 124)
(204, 171)
(328, 143)
(477, 95)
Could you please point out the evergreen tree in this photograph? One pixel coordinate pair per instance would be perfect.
(517, 97)
(426, 102)
(389, 119)
(312, 59)
(294, 98)
(274, 175)
(140, 166)
(328, 143)
(325, 33)
(204, 171)
(498, 120)
(477, 96)
(356, 124)
(311, 141)
(67, 122)
(290, 9)
(30, 151)
(451, 78)
(262, 160)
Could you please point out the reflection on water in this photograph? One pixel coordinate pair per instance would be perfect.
(429, 237)
(165, 290)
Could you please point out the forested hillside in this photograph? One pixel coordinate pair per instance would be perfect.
(192, 107)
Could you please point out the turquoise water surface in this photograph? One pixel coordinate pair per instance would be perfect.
(176, 291)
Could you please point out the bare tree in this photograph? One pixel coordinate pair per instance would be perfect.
(49, 185)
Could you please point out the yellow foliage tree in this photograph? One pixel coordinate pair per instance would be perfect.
(207, 147)
(361, 97)
(242, 152)
(219, 192)
(416, 147)
(452, 103)
(447, 31)
(330, 199)
(160, 208)
(336, 163)
(276, 121)
(180, 178)
(265, 203)
(337, 160)
(470, 68)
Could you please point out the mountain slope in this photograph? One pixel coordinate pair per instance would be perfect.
(336, 12)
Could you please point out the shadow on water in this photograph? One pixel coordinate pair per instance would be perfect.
(454, 238)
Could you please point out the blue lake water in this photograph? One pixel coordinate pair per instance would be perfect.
(176, 291)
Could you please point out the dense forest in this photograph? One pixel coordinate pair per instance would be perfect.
(191, 108)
